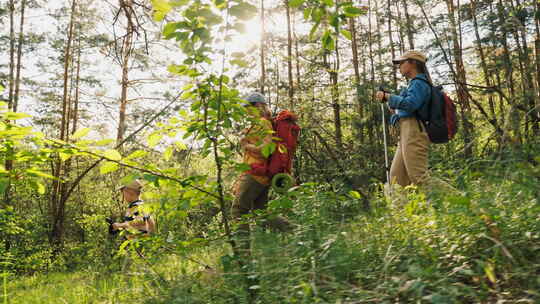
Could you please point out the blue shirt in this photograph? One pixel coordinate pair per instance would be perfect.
(410, 99)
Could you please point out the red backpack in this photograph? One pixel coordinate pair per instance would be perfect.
(286, 133)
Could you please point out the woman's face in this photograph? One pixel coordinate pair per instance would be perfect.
(406, 68)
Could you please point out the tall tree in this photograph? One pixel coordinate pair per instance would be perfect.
(57, 204)
(19, 56)
(262, 48)
(126, 7)
(409, 24)
(483, 62)
(391, 40)
(289, 55)
(461, 76)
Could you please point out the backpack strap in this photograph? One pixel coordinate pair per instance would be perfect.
(430, 96)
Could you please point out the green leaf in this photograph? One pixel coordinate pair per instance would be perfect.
(112, 154)
(243, 10)
(161, 8)
(64, 156)
(154, 139)
(328, 41)
(80, 133)
(295, 3)
(15, 116)
(313, 30)
(355, 194)
(169, 30)
(4, 183)
(168, 153)
(40, 188)
(180, 145)
(242, 167)
(240, 63)
(108, 167)
(268, 149)
(351, 11)
(307, 13)
(328, 2)
(35, 172)
(103, 142)
(137, 154)
(346, 34)
(177, 3)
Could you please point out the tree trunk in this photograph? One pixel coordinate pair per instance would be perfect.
(297, 61)
(57, 203)
(19, 56)
(354, 46)
(483, 63)
(401, 35)
(391, 41)
(333, 73)
(127, 48)
(289, 56)
(410, 25)
(509, 71)
(11, 53)
(372, 66)
(461, 78)
(537, 60)
(262, 48)
(530, 90)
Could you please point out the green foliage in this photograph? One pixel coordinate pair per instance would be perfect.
(331, 15)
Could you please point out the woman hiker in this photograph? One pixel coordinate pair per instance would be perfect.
(410, 162)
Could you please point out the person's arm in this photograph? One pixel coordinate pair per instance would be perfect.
(264, 130)
(413, 98)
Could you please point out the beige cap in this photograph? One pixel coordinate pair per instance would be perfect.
(134, 185)
(412, 54)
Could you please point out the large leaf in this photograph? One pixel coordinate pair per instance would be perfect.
(112, 155)
(243, 10)
(137, 154)
(36, 172)
(108, 167)
(268, 149)
(295, 3)
(154, 139)
(80, 133)
(15, 116)
(346, 34)
(161, 8)
(328, 41)
(351, 11)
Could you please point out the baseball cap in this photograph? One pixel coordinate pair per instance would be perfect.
(254, 98)
(134, 185)
(412, 54)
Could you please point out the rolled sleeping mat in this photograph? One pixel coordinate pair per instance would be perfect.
(282, 182)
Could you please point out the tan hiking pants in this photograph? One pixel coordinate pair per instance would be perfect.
(411, 160)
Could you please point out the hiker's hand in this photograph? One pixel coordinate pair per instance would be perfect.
(382, 96)
(117, 226)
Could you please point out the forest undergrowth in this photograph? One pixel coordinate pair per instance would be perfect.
(478, 244)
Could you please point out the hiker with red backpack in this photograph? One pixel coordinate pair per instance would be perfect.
(410, 162)
(252, 187)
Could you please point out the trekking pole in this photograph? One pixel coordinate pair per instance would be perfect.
(385, 142)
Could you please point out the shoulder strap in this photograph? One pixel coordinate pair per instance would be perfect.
(135, 203)
(430, 96)
(429, 83)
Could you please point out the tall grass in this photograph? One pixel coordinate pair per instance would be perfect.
(480, 244)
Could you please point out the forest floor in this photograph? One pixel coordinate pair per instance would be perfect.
(481, 245)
